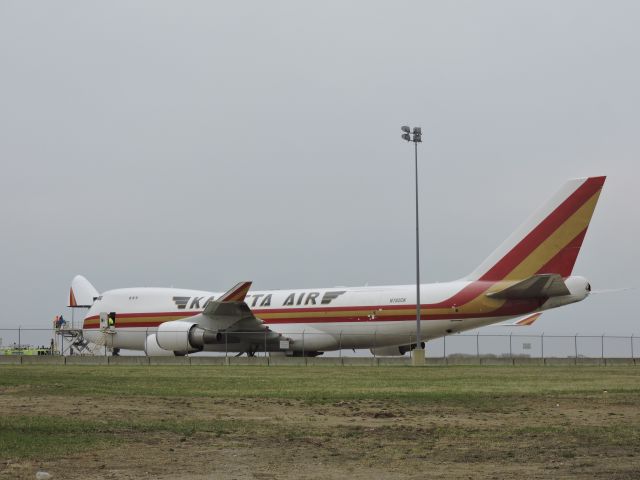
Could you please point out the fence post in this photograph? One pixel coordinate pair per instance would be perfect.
(602, 346)
(340, 344)
(478, 345)
(265, 343)
(302, 343)
(226, 344)
(632, 346)
(542, 345)
(375, 333)
(146, 335)
(444, 347)
(510, 347)
(19, 339)
(575, 345)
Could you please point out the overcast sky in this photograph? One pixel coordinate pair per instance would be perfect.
(197, 144)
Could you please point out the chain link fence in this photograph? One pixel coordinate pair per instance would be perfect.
(34, 341)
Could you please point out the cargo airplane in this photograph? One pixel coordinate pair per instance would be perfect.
(529, 273)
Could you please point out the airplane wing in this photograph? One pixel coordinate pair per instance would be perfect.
(537, 286)
(523, 322)
(230, 314)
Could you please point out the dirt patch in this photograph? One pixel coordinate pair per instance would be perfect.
(540, 437)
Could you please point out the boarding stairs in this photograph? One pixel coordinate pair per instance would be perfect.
(72, 341)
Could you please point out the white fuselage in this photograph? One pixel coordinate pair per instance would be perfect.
(530, 271)
(320, 319)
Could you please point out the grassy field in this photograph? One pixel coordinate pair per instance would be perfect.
(324, 422)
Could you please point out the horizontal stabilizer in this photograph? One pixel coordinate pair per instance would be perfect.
(537, 286)
(523, 322)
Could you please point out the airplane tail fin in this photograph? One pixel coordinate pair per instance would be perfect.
(81, 294)
(549, 241)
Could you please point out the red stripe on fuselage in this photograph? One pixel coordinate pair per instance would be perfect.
(509, 308)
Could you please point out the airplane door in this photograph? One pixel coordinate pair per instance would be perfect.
(104, 319)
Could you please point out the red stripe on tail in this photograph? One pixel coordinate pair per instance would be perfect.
(564, 261)
(544, 229)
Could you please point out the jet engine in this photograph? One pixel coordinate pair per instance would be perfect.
(152, 349)
(181, 336)
(397, 351)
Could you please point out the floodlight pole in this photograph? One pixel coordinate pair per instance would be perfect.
(418, 306)
(417, 354)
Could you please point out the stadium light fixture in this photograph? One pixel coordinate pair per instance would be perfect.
(415, 136)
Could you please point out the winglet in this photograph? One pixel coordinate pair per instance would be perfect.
(81, 294)
(236, 294)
